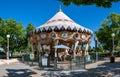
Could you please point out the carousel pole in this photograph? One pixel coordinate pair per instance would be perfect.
(32, 55)
(96, 46)
(76, 44)
(55, 57)
(39, 49)
(83, 43)
(84, 57)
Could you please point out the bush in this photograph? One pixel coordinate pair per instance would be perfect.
(117, 54)
(101, 54)
(16, 55)
(2, 55)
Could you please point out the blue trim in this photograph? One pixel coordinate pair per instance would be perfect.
(84, 30)
(49, 29)
(62, 28)
(56, 28)
(44, 29)
(80, 30)
(68, 28)
(74, 29)
(39, 30)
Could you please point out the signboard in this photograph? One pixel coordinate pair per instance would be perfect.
(88, 58)
(44, 62)
(31, 56)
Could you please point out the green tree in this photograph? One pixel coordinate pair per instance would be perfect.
(98, 3)
(90, 48)
(100, 48)
(0, 19)
(16, 32)
(29, 28)
(109, 26)
(22, 44)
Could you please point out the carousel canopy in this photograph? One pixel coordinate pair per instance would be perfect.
(61, 21)
(61, 46)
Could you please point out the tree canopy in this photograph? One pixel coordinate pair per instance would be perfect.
(110, 25)
(98, 3)
(16, 32)
(30, 27)
(18, 40)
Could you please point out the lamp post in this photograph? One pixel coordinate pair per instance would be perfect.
(112, 58)
(8, 36)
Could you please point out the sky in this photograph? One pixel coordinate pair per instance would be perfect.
(38, 12)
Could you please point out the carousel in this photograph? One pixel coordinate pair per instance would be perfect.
(60, 29)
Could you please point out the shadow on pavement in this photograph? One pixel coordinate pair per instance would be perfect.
(106, 69)
(19, 73)
(68, 74)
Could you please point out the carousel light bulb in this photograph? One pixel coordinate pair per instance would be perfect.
(83, 36)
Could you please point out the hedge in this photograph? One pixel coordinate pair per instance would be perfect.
(105, 54)
(101, 54)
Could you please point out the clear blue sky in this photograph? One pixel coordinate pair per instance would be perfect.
(38, 12)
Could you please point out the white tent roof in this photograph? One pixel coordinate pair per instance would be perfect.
(60, 20)
(61, 46)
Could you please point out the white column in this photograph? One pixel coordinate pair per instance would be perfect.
(86, 49)
(76, 44)
(56, 43)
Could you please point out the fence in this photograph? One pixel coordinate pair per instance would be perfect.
(79, 62)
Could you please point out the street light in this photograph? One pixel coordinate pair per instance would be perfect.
(8, 36)
(112, 58)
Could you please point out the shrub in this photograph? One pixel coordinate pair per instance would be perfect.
(101, 54)
(16, 55)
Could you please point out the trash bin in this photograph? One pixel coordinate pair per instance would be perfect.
(112, 59)
(23, 57)
(44, 62)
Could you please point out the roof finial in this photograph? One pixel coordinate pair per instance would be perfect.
(60, 10)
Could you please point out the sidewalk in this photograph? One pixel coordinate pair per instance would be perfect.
(96, 64)
(4, 61)
(97, 69)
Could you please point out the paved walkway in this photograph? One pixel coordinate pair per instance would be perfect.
(98, 69)
(4, 61)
